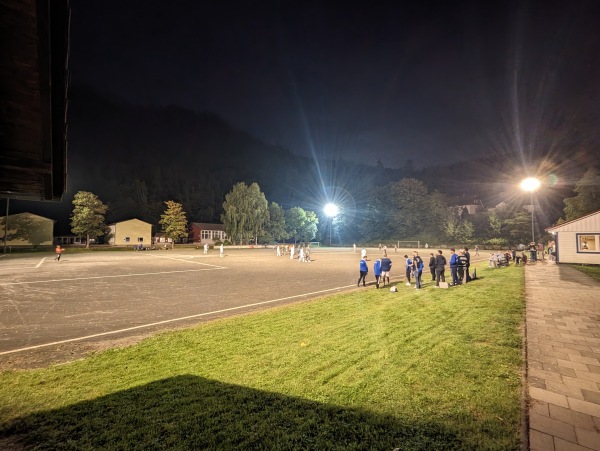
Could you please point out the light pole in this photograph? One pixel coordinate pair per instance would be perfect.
(331, 210)
(531, 184)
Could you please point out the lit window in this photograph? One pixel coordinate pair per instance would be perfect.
(587, 242)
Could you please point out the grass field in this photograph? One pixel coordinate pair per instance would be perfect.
(369, 369)
(593, 271)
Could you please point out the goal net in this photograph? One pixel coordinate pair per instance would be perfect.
(409, 244)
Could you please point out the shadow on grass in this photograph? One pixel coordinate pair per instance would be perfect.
(190, 412)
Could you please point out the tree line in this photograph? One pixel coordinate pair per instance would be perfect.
(403, 210)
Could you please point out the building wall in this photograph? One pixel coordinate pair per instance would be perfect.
(27, 229)
(570, 248)
(131, 233)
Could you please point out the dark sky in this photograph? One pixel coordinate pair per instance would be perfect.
(421, 80)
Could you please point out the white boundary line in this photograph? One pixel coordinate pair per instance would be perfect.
(186, 260)
(199, 315)
(109, 277)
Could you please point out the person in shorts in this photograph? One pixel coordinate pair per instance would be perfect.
(386, 267)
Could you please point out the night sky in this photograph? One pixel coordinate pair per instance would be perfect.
(426, 81)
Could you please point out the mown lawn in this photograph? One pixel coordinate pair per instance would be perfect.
(369, 369)
(593, 271)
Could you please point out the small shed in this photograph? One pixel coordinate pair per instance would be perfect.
(578, 241)
(131, 232)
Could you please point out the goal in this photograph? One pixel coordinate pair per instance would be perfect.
(314, 244)
(409, 244)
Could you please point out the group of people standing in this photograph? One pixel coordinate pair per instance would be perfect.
(383, 266)
(302, 252)
(459, 264)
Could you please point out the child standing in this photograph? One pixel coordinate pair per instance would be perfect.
(377, 271)
(364, 270)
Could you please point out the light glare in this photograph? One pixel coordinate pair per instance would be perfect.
(530, 184)
(331, 210)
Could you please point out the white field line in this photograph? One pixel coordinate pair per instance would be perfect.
(40, 263)
(158, 323)
(110, 277)
(185, 258)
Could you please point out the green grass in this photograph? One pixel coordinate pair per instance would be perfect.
(593, 270)
(370, 369)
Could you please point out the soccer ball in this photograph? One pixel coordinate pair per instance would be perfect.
(393, 289)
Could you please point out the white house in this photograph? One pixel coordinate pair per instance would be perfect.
(578, 241)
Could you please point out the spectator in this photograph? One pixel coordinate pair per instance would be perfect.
(432, 266)
(440, 267)
(364, 270)
(454, 266)
(386, 267)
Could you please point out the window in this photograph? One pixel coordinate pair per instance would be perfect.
(205, 234)
(140, 239)
(588, 242)
(126, 239)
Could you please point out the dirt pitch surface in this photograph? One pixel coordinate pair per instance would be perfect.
(53, 312)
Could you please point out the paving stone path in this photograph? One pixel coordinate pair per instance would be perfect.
(563, 358)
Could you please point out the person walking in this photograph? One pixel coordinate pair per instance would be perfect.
(221, 250)
(354, 246)
(377, 271)
(417, 263)
(364, 270)
(440, 268)
(292, 251)
(58, 251)
(363, 253)
(278, 251)
(476, 251)
(386, 267)
(432, 266)
(454, 266)
(205, 248)
(532, 251)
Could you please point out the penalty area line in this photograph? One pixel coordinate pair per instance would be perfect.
(158, 323)
(109, 276)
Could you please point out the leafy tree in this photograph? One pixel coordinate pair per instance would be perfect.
(88, 216)
(294, 221)
(173, 221)
(309, 228)
(275, 227)
(587, 199)
(245, 212)
(458, 229)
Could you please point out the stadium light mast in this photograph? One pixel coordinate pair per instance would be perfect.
(531, 184)
(331, 210)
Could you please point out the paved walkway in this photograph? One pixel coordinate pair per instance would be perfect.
(563, 358)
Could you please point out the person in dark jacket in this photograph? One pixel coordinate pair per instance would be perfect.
(468, 255)
(386, 267)
(440, 267)
(454, 266)
(432, 266)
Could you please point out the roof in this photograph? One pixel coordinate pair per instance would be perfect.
(208, 226)
(129, 220)
(559, 226)
(23, 214)
(33, 98)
